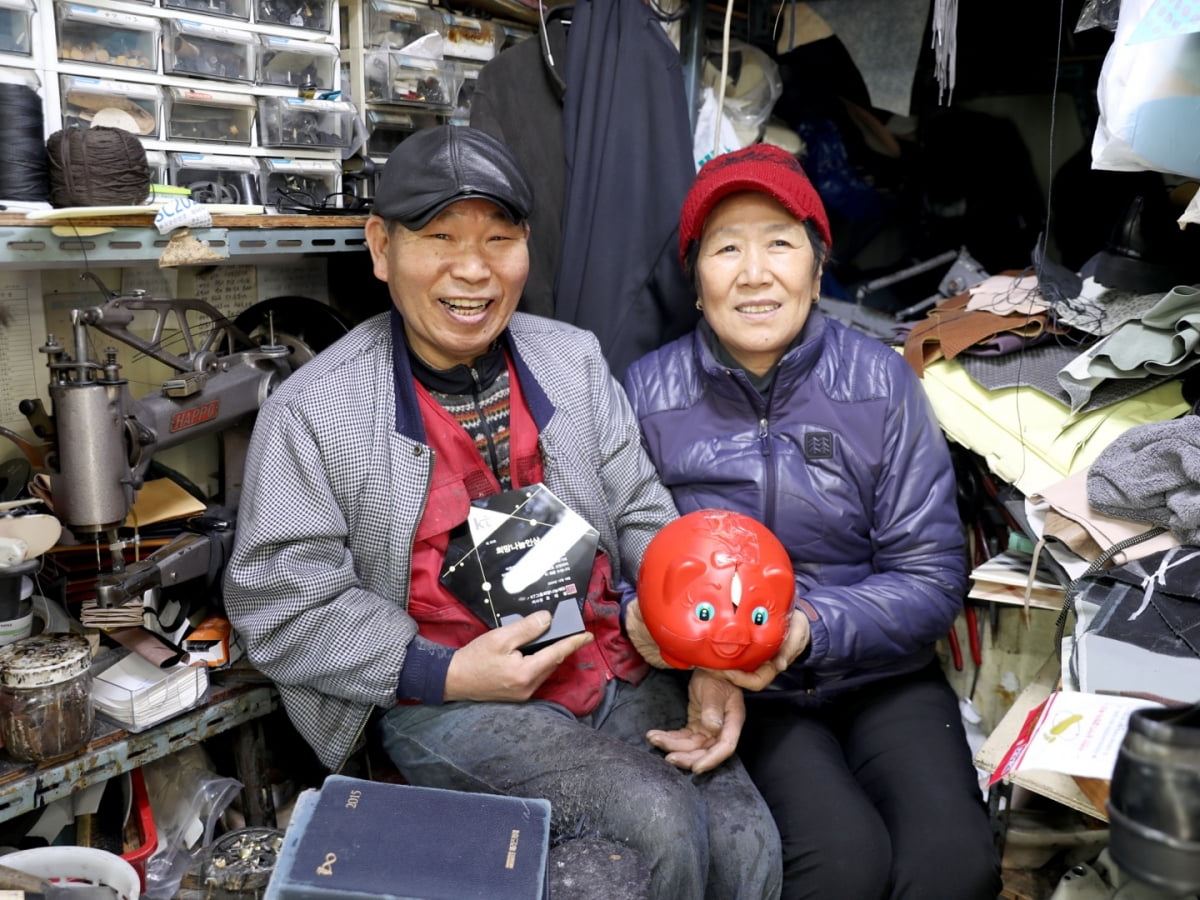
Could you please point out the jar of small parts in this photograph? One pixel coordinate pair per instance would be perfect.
(46, 696)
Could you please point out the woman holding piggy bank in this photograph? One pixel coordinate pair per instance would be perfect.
(824, 436)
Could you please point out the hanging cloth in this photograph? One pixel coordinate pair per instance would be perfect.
(628, 144)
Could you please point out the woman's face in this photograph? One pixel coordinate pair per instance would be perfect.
(757, 277)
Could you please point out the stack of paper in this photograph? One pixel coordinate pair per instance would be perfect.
(138, 694)
(1003, 579)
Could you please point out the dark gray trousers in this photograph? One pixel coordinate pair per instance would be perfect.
(707, 836)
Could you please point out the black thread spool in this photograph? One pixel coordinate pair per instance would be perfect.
(24, 165)
(97, 166)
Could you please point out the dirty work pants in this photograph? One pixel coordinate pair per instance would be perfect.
(706, 836)
(875, 794)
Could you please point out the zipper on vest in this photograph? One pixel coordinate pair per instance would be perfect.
(764, 441)
(476, 392)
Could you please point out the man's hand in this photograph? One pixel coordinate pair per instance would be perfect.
(492, 667)
(639, 636)
(716, 713)
(794, 642)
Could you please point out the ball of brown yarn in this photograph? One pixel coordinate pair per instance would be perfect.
(97, 166)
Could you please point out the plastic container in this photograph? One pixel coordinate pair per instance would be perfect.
(216, 178)
(233, 9)
(386, 128)
(107, 37)
(210, 51)
(470, 38)
(396, 24)
(288, 62)
(210, 116)
(101, 101)
(77, 866)
(46, 696)
(298, 122)
(304, 185)
(311, 15)
(393, 77)
(16, 19)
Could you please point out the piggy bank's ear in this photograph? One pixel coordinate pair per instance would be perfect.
(681, 573)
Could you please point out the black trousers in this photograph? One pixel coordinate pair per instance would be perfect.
(875, 794)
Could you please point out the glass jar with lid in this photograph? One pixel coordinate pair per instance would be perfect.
(46, 696)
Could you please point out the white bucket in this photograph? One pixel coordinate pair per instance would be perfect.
(81, 865)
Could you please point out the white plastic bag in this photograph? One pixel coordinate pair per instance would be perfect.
(187, 799)
(707, 141)
(1149, 94)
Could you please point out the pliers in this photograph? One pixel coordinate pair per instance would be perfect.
(972, 638)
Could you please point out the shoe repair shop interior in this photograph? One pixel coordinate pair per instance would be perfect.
(1007, 185)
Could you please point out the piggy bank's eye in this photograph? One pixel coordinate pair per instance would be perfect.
(759, 615)
(704, 611)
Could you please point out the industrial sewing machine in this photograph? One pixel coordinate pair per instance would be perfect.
(100, 440)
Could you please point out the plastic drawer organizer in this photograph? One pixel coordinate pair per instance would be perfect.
(395, 77)
(299, 64)
(107, 37)
(394, 23)
(234, 9)
(16, 17)
(217, 116)
(314, 15)
(130, 105)
(298, 122)
(299, 184)
(215, 178)
(469, 38)
(210, 51)
(388, 127)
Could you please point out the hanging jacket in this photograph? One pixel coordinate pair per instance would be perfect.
(518, 98)
(627, 137)
(845, 463)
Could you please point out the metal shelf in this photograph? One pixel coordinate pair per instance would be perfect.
(135, 240)
(24, 787)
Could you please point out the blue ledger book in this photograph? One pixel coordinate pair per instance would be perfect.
(356, 839)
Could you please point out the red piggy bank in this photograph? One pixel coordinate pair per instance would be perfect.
(715, 589)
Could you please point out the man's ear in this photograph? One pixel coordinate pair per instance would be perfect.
(376, 233)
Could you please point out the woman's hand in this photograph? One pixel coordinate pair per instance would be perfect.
(716, 713)
(794, 643)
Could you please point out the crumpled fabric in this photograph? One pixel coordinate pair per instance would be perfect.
(1163, 342)
(1151, 473)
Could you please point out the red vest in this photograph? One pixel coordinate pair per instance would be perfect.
(460, 476)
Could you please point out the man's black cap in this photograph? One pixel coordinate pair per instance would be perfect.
(434, 167)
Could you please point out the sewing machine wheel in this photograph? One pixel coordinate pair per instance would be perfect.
(305, 325)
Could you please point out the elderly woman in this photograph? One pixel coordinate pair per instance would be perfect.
(852, 733)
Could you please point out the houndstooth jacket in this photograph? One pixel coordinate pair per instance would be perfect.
(336, 482)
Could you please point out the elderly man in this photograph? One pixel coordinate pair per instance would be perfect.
(363, 463)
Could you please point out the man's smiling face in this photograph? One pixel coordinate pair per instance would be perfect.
(457, 281)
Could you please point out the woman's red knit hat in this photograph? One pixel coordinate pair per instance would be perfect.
(764, 168)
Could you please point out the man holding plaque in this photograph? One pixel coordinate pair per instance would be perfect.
(441, 515)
